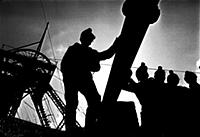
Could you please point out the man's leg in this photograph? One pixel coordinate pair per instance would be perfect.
(71, 98)
(94, 102)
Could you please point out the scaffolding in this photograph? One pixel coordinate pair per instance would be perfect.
(29, 73)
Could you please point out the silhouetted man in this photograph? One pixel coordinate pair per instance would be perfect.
(149, 97)
(193, 100)
(77, 64)
(172, 106)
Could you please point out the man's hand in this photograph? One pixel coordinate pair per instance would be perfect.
(116, 44)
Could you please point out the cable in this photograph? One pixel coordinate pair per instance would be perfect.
(29, 105)
(45, 19)
(176, 70)
(51, 45)
(43, 11)
(51, 111)
(181, 71)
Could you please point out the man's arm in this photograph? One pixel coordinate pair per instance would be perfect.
(109, 52)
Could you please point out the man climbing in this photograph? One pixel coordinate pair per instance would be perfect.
(77, 64)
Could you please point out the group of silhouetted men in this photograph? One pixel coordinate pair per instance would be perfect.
(168, 110)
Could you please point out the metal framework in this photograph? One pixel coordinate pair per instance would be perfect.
(29, 73)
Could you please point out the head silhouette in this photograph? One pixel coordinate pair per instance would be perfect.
(159, 75)
(190, 77)
(142, 72)
(87, 37)
(172, 78)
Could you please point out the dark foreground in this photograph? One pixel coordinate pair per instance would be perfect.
(119, 119)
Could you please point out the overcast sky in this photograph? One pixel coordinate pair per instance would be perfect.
(175, 37)
(172, 42)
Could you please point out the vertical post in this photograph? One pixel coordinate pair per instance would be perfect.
(134, 28)
(42, 38)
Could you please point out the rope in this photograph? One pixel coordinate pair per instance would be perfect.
(175, 70)
(51, 46)
(29, 105)
(43, 11)
(45, 19)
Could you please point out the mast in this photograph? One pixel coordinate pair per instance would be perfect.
(41, 42)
